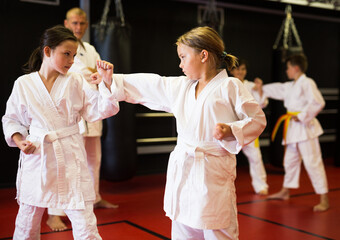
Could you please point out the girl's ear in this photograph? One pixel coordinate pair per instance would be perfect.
(297, 68)
(47, 51)
(204, 55)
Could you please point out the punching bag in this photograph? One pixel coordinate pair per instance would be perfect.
(284, 46)
(111, 38)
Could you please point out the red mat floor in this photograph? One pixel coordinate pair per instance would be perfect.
(140, 214)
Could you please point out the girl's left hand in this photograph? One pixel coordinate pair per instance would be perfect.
(105, 71)
(221, 131)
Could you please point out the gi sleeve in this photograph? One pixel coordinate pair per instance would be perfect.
(15, 118)
(274, 90)
(315, 102)
(150, 90)
(98, 104)
(250, 120)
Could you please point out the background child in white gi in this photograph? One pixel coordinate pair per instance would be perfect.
(85, 64)
(41, 119)
(215, 116)
(303, 101)
(252, 150)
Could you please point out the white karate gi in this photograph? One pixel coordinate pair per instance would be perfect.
(200, 191)
(56, 175)
(182, 232)
(252, 150)
(302, 141)
(92, 131)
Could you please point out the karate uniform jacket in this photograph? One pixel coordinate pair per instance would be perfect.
(200, 190)
(56, 175)
(87, 56)
(304, 97)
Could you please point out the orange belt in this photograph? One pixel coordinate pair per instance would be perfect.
(286, 118)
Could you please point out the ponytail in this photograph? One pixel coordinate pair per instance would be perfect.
(34, 62)
(230, 61)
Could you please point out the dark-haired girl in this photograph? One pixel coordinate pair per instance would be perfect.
(41, 119)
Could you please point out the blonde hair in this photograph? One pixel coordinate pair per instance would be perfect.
(206, 38)
(75, 11)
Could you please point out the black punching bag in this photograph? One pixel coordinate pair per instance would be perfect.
(284, 46)
(111, 38)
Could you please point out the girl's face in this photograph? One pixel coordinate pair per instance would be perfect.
(292, 71)
(191, 63)
(62, 57)
(242, 72)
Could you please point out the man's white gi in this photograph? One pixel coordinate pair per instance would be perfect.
(252, 150)
(301, 96)
(200, 191)
(56, 175)
(87, 57)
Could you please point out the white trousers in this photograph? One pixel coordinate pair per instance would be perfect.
(256, 167)
(94, 156)
(28, 222)
(310, 153)
(180, 231)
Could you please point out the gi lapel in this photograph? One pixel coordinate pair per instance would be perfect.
(51, 112)
(192, 122)
(53, 133)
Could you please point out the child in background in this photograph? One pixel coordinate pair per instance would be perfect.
(215, 117)
(41, 119)
(303, 101)
(252, 150)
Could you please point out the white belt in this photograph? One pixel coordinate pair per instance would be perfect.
(198, 150)
(54, 137)
(194, 148)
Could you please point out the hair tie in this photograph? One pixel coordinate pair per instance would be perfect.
(224, 54)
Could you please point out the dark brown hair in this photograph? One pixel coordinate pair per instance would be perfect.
(207, 38)
(52, 38)
(299, 60)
